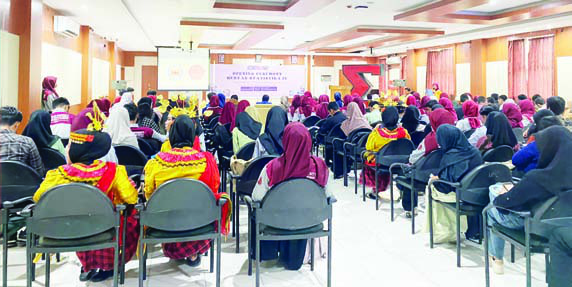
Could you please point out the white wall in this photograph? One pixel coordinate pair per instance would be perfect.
(563, 72)
(320, 75)
(65, 64)
(99, 78)
(497, 77)
(463, 79)
(9, 57)
(421, 79)
(138, 73)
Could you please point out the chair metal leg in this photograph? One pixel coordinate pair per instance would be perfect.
(412, 208)
(47, 263)
(232, 196)
(141, 257)
(547, 264)
(330, 253)
(312, 254)
(145, 261)
(356, 179)
(4, 247)
(345, 169)
(28, 261)
(458, 231)
(249, 243)
(512, 253)
(486, 250)
(122, 267)
(527, 251)
(58, 257)
(376, 192)
(363, 185)
(218, 251)
(237, 220)
(212, 256)
(257, 247)
(116, 270)
(391, 195)
(430, 214)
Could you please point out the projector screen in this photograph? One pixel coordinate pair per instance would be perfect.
(180, 70)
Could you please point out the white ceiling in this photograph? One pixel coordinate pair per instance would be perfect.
(140, 25)
(498, 5)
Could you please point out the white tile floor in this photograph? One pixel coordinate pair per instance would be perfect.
(368, 250)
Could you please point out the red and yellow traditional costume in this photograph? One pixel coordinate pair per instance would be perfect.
(376, 140)
(185, 163)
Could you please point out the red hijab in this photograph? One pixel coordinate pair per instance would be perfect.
(323, 99)
(437, 118)
(448, 105)
(471, 112)
(444, 95)
(297, 161)
(527, 107)
(296, 103)
(513, 114)
(308, 104)
(242, 105)
(412, 101)
(347, 100)
(49, 86)
(228, 115)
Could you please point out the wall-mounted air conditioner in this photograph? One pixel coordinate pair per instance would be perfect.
(393, 60)
(66, 27)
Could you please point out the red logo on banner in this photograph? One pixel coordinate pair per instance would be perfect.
(355, 74)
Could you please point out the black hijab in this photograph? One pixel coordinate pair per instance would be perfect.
(248, 126)
(88, 146)
(499, 130)
(276, 121)
(390, 118)
(552, 173)
(410, 120)
(182, 133)
(537, 117)
(459, 156)
(39, 129)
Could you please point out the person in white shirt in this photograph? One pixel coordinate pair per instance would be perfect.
(61, 118)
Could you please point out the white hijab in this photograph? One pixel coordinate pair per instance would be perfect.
(117, 126)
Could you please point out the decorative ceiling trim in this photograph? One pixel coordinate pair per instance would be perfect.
(252, 6)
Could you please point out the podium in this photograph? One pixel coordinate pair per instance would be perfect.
(344, 90)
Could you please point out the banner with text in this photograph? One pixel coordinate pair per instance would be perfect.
(253, 81)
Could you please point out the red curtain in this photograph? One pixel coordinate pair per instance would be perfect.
(383, 76)
(541, 67)
(516, 68)
(441, 70)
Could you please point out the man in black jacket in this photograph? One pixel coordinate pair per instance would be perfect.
(336, 117)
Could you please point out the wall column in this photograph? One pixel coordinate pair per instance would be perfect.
(478, 68)
(411, 71)
(84, 32)
(112, 69)
(25, 20)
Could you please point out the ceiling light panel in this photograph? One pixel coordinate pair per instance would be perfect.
(222, 37)
(500, 5)
(356, 41)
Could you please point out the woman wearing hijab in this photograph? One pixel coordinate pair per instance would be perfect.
(437, 118)
(459, 158)
(223, 135)
(117, 126)
(355, 120)
(527, 109)
(436, 91)
(85, 150)
(103, 104)
(526, 158)
(537, 118)
(323, 99)
(284, 104)
(270, 142)
(248, 128)
(448, 105)
(38, 128)
(470, 119)
(499, 132)
(376, 140)
(49, 93)
(242, 105)
(412, 101)
(359, 101)
(294, 111)
(411, 120)
(146, 117)
(513, 114)
(338, 99)
(228, 114)
(296, 162)
(322, 111)
(347, 100)
(126, 98)
(308, 106)
(183, 161)
(214, 109)
(221, 99)
(551, 177)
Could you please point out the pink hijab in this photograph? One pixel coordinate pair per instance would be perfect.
(355, 119)
(471, 112)
(297, 161)
(513, 114)
(322, 111)
(49, 87)
(412, 101)
(448, 105)
(324, 99)
(444, 95)
(308, 104)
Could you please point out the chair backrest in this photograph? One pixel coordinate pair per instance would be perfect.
(375, 124)
(475, 185)
(180, 204)
(72, 211)
(17, 181)
(129, 155)
(395, 151)
(310, 121)
(51, 158)
(519, 133)
(335, 132)
(427, 165)
(320, 123)
(417, 137)
(145, 147)
(355, 135)
(559, 206)
(246, 152)
(469, 133)
(295, 204)
(499, 154)
(248, 179)
(211, 123)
